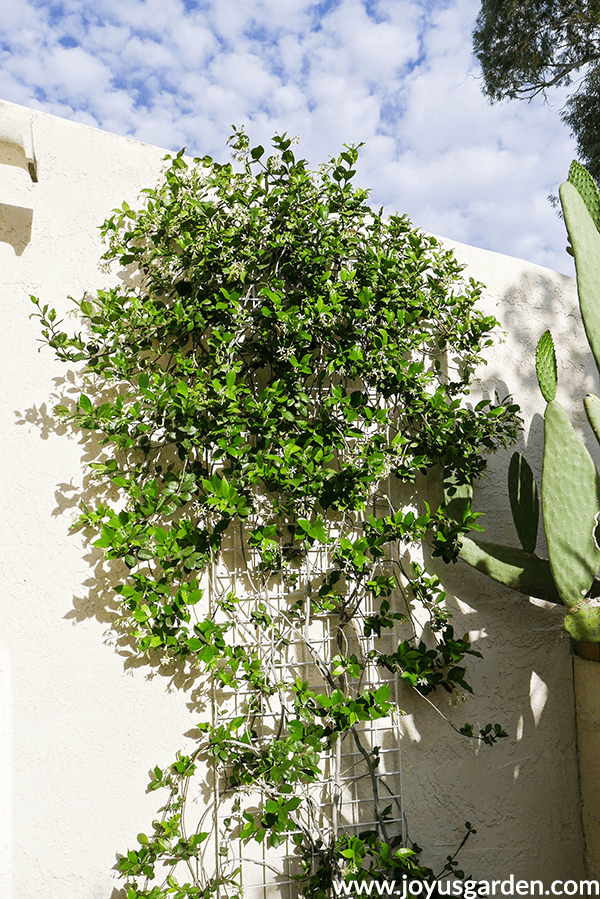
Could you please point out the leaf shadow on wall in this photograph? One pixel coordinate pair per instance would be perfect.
(100, 602)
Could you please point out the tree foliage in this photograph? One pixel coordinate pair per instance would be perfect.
(526, 47)
(276, 357)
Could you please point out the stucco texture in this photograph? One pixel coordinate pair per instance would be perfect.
(80, 726)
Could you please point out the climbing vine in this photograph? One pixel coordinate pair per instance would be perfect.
(271, 383)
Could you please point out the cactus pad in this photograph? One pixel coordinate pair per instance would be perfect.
(583, 622)
(570, 500)
(457, 497)
(508, 565)
(524, 501)
(587, 189)
(545, 366)
(592, 409)
(585, 239)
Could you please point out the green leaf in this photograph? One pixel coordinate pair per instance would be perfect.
(382, 694)
(85, 403)
(318, 532)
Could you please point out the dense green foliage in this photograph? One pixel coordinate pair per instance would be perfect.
(524, 48)
(276, 361)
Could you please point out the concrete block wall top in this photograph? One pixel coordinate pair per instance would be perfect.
(16, 132)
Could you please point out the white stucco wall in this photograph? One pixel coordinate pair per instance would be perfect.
(79, 730)
(523, 793)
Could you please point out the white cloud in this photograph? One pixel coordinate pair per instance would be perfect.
(246, 75)
(75, 73)
(145, 55)
(396, 74)
(194, 43)
(144, 16)
(105, 38)
(373, 50)
(234, 18)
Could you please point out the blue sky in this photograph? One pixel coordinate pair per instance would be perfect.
(396, 74)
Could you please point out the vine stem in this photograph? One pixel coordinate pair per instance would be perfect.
(441, 714)
(374, 783)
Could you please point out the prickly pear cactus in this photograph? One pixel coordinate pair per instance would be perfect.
(591, 405)
(545, 366)
(524, 572)
(585, 240)
(570, 484)
(582, 622)
(570, 501)
(587, 189)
